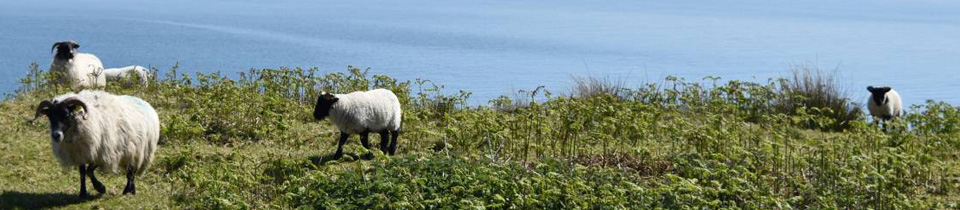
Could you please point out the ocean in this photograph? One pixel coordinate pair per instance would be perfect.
(493, 48)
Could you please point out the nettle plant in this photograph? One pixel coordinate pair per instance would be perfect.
(673, 144)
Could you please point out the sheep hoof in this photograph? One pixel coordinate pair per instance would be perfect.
(130, 189)
(367, 156)
(84, 194)
(100, 188)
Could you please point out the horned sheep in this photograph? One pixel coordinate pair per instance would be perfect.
(80, 69)
(98, 130)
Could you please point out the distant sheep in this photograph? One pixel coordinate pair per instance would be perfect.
(884, 104)
(80, 69)
(361, 113)
(119, 74)
(95, 129)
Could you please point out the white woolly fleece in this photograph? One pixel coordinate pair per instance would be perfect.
(116, 74)
(892, 106)
(120, 132)
(84, 69)
(372, 111)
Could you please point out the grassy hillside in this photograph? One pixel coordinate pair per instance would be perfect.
(249, 141)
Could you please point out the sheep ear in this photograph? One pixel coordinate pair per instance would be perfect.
(76, 106)
(74, 45)
(42, 110)
(870, 88)
(884, 89)
(329, 97)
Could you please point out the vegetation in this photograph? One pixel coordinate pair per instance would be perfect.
(251, 142)
(810, 86)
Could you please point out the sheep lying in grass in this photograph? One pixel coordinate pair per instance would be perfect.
(122, 73)
(361, 113)
(95, 129)
(884, 104)
(80, 69)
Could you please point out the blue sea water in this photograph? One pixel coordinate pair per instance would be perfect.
(496, 47)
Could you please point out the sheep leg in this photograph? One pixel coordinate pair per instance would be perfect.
(393, 143)
(886, 121)
(365, 139)
(96, 183)
(83, 181)
(384, 141)
(131, 187)
(343, 139)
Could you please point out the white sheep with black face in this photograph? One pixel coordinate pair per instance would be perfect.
(884, 104)
(80, 69)
(363, 112)
(95, 129)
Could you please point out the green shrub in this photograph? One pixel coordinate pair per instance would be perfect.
(249, 142)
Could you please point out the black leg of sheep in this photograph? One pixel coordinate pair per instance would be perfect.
(131, 187)
(886, 121)
(365, 140)
(96, 183)
(384, 141)
(83, 181)
(343, 139)
(393, 143)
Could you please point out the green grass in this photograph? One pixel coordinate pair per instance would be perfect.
(250, 142)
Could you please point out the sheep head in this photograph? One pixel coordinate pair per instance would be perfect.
(63, 115)
(879, 94)
(324, 103)
(65, 49)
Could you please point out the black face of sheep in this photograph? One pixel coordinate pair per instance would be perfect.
(324, 102)
(62, 116)
(65, 49)
(878, 94)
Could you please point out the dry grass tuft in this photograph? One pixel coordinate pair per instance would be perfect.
(811, 87)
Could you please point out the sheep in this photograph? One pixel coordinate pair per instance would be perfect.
(361, 113)
(884, 104)
(81, 69)
(94, 129)
(118, 74)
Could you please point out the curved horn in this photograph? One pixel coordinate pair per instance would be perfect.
(41, 109)
(72, 102)
(52, 49)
